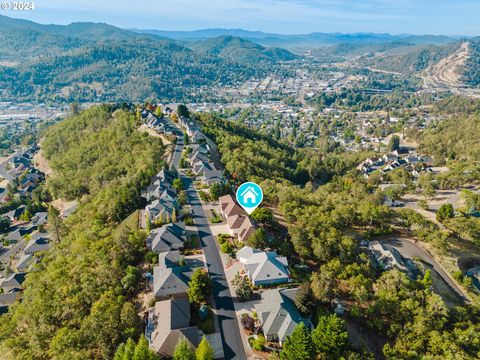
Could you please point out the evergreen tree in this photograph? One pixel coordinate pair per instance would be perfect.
(120, 353)
(129, 350)
(276, 131)
(330, 337)
(304, 299)
(199, 287)
(174, 216)
(183, 351)
(445, 211)
(394, 143)
(204, 350)
(299, 345)
(142, 351)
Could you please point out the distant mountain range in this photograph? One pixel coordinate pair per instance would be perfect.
(101, 62)
(300, 41)
(90, 61)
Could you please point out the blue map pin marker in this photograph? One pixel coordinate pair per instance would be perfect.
(249, 196)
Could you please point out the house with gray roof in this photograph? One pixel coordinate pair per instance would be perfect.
(387, 257)
(171, 282)
(16, 213)
(24, 262)
(165, 176)
(278, 315)
(161, 208)
(167, 237)
(264, 268)
(38, 242)
(40, 218)
(7, 299)
(169, 259)
(211, 177)
(14, 281)
(18, 234)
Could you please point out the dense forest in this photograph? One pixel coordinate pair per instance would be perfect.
(407, 319)
(238, 50)
(454, 138)
(40, 62)
(77, 305)
(411, 59)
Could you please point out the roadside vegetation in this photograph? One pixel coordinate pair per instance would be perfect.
(324, 224)
(79, 303)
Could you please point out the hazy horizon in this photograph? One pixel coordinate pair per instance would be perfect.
(288, 17)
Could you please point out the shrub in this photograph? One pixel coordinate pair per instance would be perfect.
(226, 248)
(259, 343)
(248, 323)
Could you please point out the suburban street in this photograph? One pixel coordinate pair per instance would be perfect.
(223, 303)
(177, 152)
(232, 341)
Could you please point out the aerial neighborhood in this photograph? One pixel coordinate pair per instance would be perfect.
(24, 227)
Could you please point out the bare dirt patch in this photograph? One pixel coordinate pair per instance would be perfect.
(151, 132)
(42, 164)
(447, 72)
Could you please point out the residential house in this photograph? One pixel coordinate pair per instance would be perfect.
(161, 209)
(40, 218)
(169, 259)
(278, 315)
(38, 242)
(18, 234)
(211, 177)
(16, 213)
(12, 282)
(24, 262)
(7, 299)
(171, 282)
(168, 323)
(167, 237)
(239, 224)
(264, 268)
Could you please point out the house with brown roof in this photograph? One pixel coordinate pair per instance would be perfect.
(238, 222)
(168, 323)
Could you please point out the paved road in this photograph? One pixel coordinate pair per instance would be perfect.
(177, 152)
(229, 328)
(409, 249)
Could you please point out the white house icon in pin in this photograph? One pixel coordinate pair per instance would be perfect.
(249, 195)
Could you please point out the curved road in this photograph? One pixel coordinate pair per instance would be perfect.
(409, 249)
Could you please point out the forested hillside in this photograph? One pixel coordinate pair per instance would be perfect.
(77, 304)
(89, 61)
(248, 154)
(120, 71)
(239, 50)
(407, 319)
(454, 138)
(412, 59)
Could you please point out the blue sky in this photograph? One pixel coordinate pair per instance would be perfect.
(452, 17)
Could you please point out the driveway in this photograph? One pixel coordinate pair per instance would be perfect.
(447, 287)
(224, 309)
